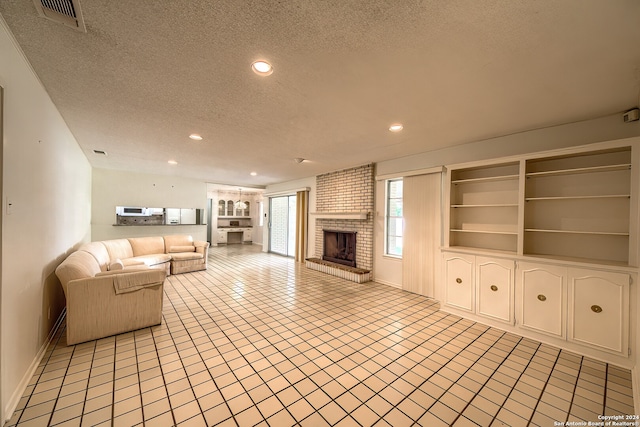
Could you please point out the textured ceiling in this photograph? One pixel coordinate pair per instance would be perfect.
(147, 73)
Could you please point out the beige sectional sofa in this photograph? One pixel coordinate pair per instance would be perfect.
(116, 286)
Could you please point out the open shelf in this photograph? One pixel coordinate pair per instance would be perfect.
(487, 179)
(592, 169)
(602, 196)
(506, 205)
(576, 205)
(604, 233)
(512, 233)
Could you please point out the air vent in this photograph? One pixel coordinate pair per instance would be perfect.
(100, 152)
(66, 12)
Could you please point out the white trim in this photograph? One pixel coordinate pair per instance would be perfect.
(286, 192)
(12, 404)
(437, 169)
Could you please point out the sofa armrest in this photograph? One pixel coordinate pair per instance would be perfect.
(94, 310)
(202, 247)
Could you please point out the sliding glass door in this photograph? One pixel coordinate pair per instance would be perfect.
(282, 233)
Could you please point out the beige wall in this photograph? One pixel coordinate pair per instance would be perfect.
(47, 178)
(113, 188)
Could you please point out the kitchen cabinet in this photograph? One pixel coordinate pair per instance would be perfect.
(222, 236)
(247, 235)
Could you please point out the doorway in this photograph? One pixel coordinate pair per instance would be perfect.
(282, 232)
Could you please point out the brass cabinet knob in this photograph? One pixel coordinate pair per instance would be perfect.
(458, 280)
(542, 298)
(494, 288)
(596, 309)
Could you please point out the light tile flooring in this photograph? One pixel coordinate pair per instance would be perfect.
(260, 340)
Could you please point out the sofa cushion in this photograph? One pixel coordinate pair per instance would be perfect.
(78, 265)
(174, 249)
(147, 259)
(147, 245)
(116, 264)
(184, 256)
(99, 252)
(118, 248)
(177, 240)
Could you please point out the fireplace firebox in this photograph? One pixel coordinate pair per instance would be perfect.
(340, 247)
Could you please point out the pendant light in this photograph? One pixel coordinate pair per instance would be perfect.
(240, 204)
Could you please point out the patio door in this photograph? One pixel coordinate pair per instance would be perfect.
(282, 232)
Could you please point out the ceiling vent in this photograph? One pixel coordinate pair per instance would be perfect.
(100, 152)
(66, 12)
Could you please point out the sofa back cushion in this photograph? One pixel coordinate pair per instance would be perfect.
(78, 265)
(99, 252)
(147, 245)
(118, 248)
(177, 240)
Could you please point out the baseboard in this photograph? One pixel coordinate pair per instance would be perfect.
(384, 282)
(22, 386)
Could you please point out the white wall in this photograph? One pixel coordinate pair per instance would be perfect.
(290, 187)
(113, 188)
(47, 178)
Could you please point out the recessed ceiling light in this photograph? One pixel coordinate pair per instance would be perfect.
(396, 127)
(253, 173)
(195, 137)
(172, 162)
(262, 68)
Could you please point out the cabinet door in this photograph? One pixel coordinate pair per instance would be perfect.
(542, 290)
(246, 236)
(222, 237)
(494, 278)
(599, 309)
(459, 281)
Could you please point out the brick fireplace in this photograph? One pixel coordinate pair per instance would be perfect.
(346, 198)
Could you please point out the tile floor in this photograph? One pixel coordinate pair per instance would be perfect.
(260, 340)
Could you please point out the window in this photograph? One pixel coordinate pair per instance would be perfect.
(394, 224)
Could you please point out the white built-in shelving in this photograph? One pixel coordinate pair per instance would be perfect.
(484, 207)
(578, 206)
(546, 245)
(573, 206)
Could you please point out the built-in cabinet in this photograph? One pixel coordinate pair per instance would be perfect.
(480, 285)
(546, 245)
(226, 208)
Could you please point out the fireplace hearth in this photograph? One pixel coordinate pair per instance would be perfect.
(340, 247)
